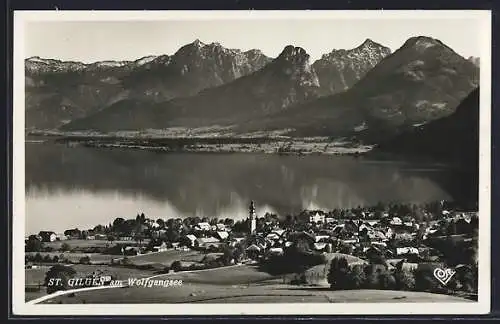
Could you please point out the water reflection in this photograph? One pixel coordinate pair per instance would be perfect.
(67, 187)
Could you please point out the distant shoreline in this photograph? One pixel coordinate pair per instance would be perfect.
(272, 145)
(212, 144)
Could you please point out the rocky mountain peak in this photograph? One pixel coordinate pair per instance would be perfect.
(294, 55)
(369, 43)
(422, 43)
(197, 43)
(341, 68)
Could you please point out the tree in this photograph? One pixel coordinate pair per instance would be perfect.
(111, 238)
(176, 266)
(404, 278)
(118, 224)
(302, 246)
(170, 223)
(99, 229)
(160, 222)
(57, 278)
(356, 276)
(85, 260)
(338, 273)
(346, 249)
(172, 235)
(33, 244)
(240, 251)
(139, 238)
(228, 255)
(376, 256)
(38, 257)
(65, 247)
(425, 280)
(375, 276)
(229, 222)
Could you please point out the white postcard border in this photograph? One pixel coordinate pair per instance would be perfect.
(20, 307)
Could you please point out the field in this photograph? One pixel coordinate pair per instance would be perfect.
(36, 276)
(233, 285)
(75, 257)
(167, 257)
(83, 244)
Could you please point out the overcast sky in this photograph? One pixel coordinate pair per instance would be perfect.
(114, 40)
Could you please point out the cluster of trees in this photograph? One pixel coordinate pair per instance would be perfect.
(38, 258)
(456, 250)
(375, 275)
(295, 259)
(57, 278)
(33, 244)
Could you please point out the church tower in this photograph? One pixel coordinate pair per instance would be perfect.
(252, 218)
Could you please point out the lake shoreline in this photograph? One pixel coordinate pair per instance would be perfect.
(266, 145)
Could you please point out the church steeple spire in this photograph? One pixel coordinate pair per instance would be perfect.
(252, 217)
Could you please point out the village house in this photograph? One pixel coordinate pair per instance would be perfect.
(329, 220)
(157, 233)
(396, 221)
(275, 251)
(377, 236)
(206, 242)
(151, 223)
(235, 241)
(406, 250)
(254, 251)
(322, 247)
(48, 236)
(160, 248)
(273, 236)
(220, 227)
(222, 235)
(61, 237)
(102, 237)
(191, 239)
(204, 226)
(317, 218)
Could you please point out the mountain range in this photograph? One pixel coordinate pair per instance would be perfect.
(365, 92)
(58, 92)
(422, 81)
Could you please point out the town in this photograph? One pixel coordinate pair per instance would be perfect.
(303, 249)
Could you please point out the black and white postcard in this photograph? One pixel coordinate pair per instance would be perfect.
(251, 162)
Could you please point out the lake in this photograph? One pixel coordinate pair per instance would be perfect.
(69, 187)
